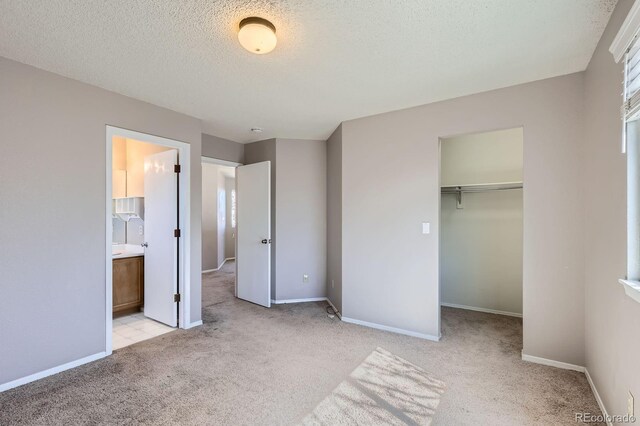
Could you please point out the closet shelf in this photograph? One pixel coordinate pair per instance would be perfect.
(481, 187)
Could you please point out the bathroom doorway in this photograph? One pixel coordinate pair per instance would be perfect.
(147, 274)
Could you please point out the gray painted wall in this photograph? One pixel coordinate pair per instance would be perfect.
(481, 251)
(53, 129)
(209, 216)
(301, 221)
(482, 158)
(230, 233)
(390, 184)
(298, 221)
(222, 149)
(221, 216)
(255, 153)
(334, 218)
(612, 318)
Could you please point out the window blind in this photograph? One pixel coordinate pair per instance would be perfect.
(631, 92)
(632, 83)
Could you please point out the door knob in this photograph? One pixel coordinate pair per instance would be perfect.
(145, 244)
(266, 241)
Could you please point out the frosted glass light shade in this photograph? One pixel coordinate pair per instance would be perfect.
(257, 35)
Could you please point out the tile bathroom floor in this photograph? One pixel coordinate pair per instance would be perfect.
(135, 328)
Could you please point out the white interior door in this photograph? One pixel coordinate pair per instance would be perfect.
(160, 222)
(253, 235)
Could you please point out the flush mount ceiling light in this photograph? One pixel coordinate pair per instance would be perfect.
(257, 35)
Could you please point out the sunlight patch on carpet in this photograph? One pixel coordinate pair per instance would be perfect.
(384, 389)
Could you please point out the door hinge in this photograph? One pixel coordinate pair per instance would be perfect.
(176, 233)
(176, 297)
(177, 168)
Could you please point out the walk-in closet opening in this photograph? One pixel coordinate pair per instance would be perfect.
(481, 222)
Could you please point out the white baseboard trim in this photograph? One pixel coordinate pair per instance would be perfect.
(308, 299)
(334, 308)
(194, 324)
(51, 371)
(552, 363)
(218, 268)
(598, 399)
(391, 329)
(579, 368)
(488, 311)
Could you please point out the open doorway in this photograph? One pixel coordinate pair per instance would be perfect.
(218, 214)
(236, 231)
(481, 222)
(147, 233)
(219, 230)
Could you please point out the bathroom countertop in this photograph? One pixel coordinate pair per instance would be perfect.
(121, 251)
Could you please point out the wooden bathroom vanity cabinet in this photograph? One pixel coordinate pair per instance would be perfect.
(128, 285)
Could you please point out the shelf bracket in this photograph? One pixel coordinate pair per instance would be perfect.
(459, 204)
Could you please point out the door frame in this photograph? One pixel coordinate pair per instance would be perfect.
(217, 161)
(184, 208)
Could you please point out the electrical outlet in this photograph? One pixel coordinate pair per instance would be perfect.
(630, 407)
(305, 278)
(140, 230)
(333, 284)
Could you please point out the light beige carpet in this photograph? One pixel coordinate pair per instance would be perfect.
(384, 389)
(251, 365)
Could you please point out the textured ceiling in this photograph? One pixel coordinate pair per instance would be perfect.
(335, 60)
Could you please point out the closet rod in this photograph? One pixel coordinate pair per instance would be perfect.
(481, 188)
(463, 189)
